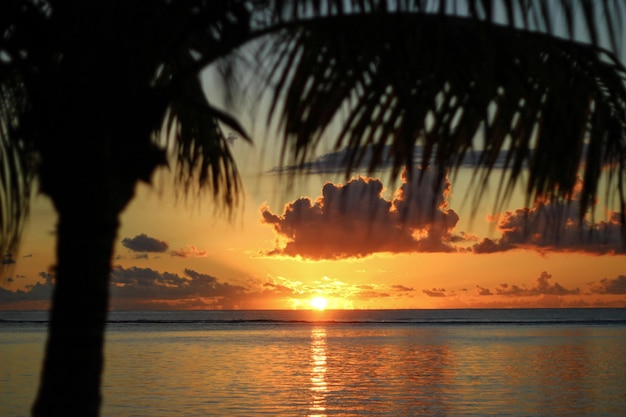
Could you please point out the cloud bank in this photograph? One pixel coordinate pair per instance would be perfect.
(610, 286)
(541, 286)
(146, 288)
(36, 295)
(541, 292)
(192, 288)
(555, 226)
(355, 220)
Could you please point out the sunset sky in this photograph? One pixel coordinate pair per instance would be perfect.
(362, 243)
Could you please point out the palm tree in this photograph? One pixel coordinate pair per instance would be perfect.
(96, 96)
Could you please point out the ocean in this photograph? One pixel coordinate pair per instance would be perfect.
(535, 362)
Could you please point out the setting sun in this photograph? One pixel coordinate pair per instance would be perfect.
(319, 303)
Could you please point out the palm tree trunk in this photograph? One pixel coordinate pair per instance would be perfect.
(74, 357)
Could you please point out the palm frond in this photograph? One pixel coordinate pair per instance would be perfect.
(444, 82)
(193, 130)
(597, 22)
(16, 170)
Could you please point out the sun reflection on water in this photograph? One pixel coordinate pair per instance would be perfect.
(319, 385)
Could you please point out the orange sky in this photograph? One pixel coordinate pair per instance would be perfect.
(345, 241)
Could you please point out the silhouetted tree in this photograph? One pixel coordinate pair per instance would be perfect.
(96, 95)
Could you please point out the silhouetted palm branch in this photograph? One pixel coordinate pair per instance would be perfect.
(193, 129)
(553, 105)
(17, 163)
(16, 171)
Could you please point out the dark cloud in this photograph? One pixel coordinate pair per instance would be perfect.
(542, 286)
(40, 291)
(337, 162)
(366, 293)
(437, 292)
(402, 288)
(610, 286)
(145, 243)
(483, 291)
(492, 246)
(145, 288)
(554, 226)
(146, 283)
(355, 220)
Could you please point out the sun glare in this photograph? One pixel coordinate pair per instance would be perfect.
(319, 303)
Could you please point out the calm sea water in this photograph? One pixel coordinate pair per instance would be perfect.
(569, 362)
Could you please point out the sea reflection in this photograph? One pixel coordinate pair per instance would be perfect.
(340, 369)
(361, 369)
(319, 385)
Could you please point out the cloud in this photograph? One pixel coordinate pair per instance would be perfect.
(277, 289)
(438, 292)
(145, 243)
(338, 161)
(38, 292)
(541, 286)
(483, 291)
(369, 292)
(554, 226)
(190, 251)
(340, 294)
(610, 286)
(355, 220)
(402, 288)
(144, 286)
(148, 283)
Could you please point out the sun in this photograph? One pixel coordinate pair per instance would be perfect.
(319, 303)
